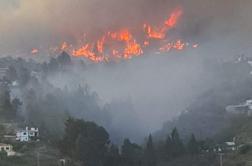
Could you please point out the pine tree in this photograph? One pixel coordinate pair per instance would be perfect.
(168, 148)
(149, 153)
(192, 146)
(112, 157)
(84, 141)
(177, 148)
(131, 153)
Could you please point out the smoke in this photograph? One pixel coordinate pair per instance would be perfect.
(26, 24)
(158, 86)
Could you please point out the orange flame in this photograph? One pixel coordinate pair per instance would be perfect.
(178, 45)
(100, 44)
(129, 47)
(123, 44)
(64, 46)
(173, 19)
(34, 51)
(132, 48)
(160, 32)
(122, 35)
(86, 51)
(154, 33)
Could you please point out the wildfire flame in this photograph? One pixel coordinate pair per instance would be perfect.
(178, 45)
(64, 46)
(34, 51)
(123, 44)
(161, 31)
(128, 47)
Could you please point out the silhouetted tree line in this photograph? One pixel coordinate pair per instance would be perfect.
(46, 106)
(8, 106)
(87, 143)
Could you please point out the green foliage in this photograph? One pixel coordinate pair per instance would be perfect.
(177, 146)
(173, 147)
(244, 149)
(112, 157)
(56, 64)
(193, 146)
(240, 127)
(7, 109)
(131, 153)
(167, 153)
(150, 158)
(3, 155)
(64, 59)
(24, 76)
(11, 74)
(85, 142)
(2, 132)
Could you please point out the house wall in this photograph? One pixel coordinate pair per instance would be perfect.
(27, 135)
(8, 149)
(23, 136)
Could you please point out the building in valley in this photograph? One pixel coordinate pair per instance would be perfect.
(27, 134)
(8, 149)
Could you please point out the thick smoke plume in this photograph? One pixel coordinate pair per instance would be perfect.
(159, 86)
(27, 24)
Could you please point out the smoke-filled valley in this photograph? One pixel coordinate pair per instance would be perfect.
(125, 83)
(115, 93)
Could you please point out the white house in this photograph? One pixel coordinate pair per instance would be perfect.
(244, 108)
(27, 134)
(8, 149)
(230, 146)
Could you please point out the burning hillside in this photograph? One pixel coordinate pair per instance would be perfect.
(126, 44)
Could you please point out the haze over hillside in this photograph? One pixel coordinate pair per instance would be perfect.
(125, 82)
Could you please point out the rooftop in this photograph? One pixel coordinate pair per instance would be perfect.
(3, 144)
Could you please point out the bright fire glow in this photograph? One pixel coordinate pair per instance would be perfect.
(123, 44)
(34, 51)
(161, 31)
(178, 45)
(64, 46)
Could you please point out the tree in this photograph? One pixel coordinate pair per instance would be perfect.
(64, 59)
(16, 103)
(167, 152)
(3, 155)
(193, 146)
(112, 157)
(177, 147)
(11, 74)
(2, 132)
(7, 111)
(24, 76)
(149, 153)
(53, 65)
(131, 153)
(84, 141)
